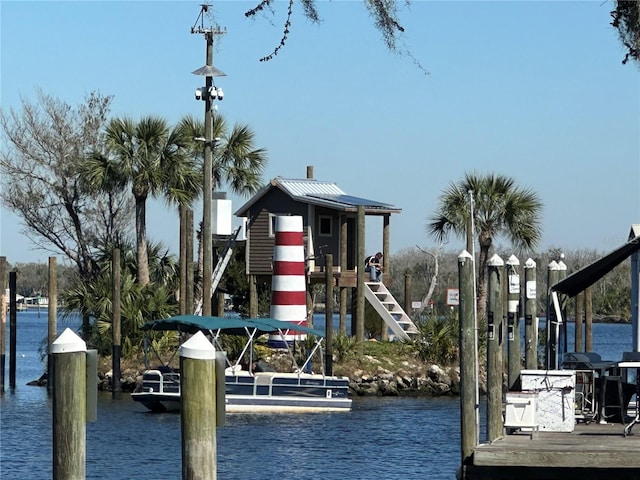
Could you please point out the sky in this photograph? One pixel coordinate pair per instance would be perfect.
(532, 90)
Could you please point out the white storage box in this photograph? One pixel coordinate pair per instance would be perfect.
(556, 397)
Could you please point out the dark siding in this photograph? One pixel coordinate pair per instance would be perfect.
(260, 243)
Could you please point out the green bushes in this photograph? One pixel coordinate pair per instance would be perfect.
(438, 340)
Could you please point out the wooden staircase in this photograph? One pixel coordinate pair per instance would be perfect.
(390, 311)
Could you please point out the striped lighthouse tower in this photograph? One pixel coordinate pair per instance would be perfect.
(288, 286)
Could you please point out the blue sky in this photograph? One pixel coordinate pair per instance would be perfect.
(532, 90)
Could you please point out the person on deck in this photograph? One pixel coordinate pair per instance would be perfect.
(374, 267)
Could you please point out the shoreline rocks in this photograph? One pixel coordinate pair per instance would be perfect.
(434, 382)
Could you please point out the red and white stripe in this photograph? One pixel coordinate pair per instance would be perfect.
(288, 285)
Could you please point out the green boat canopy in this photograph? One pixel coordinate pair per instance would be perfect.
(231, 326)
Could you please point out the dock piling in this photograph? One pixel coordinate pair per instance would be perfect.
(468, 367)
(198, 408)
(495, 314)
(69, 406)
(530, 316)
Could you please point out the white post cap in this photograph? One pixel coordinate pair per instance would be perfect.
(198, 347)
(68, 342)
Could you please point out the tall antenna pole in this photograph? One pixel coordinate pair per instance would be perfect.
(209, 94)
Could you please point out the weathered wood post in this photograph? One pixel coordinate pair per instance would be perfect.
(588, 320)
(513, 323)
(468, 368)
(552, 320)
(495, 314)
(579, 309)
(189, 295)
(69, 406)
(530, 316)
(198, 408)
(343, 267)
(116, 389)
(360, 299)
(182, 304)
(52, 320)
(13, 319)
(253, 297)
(407, 291)
(328, 312)
(386, 261)
(3, 319)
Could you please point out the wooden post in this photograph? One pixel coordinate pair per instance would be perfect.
(116, 389)
(198, 408)
(69, 406)
(343, 268)
(386, 253)
(343, 310)
(588, 320)
(552, 320)
(12, 328)
(3, 319)
(407, 291)
(495, 314)
(530, 316)
(253, 297)
(328, 312)
(579, 309)
(220, 297)
(468, 370)
(513, 323)
(52, 320)
(386, 265)
(182, 306)
(360, 295)
(189, 295)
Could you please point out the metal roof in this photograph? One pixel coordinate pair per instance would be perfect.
(325, 194)
(587, 276)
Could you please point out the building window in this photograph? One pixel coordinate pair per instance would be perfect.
(272, 223)
(325, 226)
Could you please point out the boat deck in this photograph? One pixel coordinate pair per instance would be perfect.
(591, 451)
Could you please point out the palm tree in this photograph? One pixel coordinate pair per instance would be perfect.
(152, 158)
(500, 209)
(236, 162)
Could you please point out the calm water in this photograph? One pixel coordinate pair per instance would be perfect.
(382, 438)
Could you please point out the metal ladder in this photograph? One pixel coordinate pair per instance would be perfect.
(390, 310)
(223, 261)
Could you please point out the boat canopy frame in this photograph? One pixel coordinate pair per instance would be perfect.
(251, 328)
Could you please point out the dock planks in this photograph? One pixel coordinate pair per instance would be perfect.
(591, 451)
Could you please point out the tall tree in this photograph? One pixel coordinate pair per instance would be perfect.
(151, 157)
(626, 19)
(501, 208)
(43, 145)
(384, 13)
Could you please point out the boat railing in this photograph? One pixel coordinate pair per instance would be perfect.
(161, 382)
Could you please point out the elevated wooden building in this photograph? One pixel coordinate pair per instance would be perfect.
(331, 225)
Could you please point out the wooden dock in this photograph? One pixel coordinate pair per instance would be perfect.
(591, 452)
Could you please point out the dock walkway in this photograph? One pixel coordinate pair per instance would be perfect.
(591, 452)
